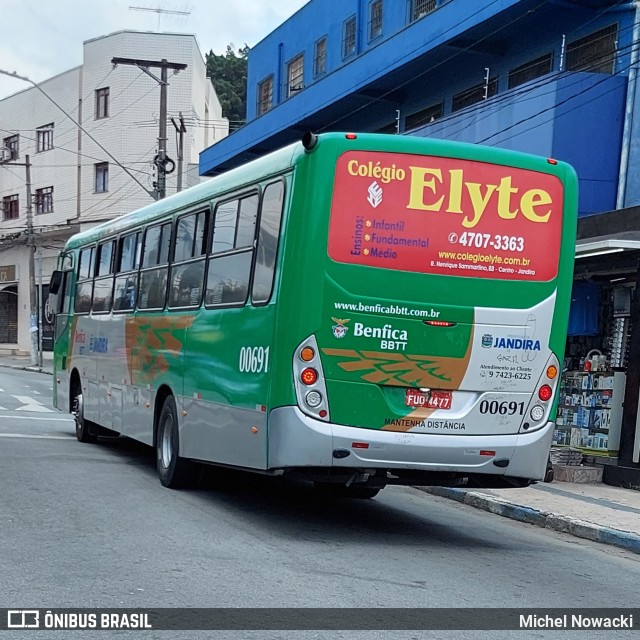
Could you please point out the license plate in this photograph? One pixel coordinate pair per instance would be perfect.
(428, 399)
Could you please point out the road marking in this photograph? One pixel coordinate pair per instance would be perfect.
(37, 418)
(31, 405)
(35, 437)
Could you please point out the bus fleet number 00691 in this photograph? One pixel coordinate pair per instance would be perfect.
(254, 360)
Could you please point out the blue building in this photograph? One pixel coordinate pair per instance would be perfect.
(549, 77)
(552, 77)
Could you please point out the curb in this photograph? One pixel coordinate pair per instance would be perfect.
(544, 519)
(26, 367)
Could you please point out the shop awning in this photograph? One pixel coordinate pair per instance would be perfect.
(626, 241)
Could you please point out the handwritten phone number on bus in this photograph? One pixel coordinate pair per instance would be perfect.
(254, 360)
(484, 240)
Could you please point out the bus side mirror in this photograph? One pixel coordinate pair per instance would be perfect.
(51, 307)
(56, 281)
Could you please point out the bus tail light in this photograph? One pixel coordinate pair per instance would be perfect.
(308, 380)
(540, 406)
(545, 392)
(309, 376)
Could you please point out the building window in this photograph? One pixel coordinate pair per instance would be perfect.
(424, 116)
(375, 19)
(11, 143)
(44, 200)
(102, 177)
(44, 138)
(320, 57)
(475, 94)
(295, 75)
(595, 52)
(102, 103)
(265, 95)
(11, 207)
(349, 37)
(530, 71)
(420, 8)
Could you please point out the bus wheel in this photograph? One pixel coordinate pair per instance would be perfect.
(331, 490)
(83, 431)
(174, 471)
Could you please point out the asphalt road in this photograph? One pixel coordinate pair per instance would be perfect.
(90, 526)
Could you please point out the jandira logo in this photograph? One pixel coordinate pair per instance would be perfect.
(456, 191)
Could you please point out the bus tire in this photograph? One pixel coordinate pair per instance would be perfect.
(331, 490)
(83, 426)
(174, 472)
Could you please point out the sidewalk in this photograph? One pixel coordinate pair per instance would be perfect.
(24, 362)
(598, 512)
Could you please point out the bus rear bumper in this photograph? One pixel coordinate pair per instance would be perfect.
(297, 441)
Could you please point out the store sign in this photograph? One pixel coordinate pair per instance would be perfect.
(8, 273)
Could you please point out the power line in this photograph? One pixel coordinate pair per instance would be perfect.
(37, 86)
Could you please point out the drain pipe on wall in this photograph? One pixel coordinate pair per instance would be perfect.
(629, 108)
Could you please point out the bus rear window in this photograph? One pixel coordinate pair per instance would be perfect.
(445, 216)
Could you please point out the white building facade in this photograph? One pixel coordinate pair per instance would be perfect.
(99, 167)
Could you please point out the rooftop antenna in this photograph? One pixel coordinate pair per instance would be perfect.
(161, 11)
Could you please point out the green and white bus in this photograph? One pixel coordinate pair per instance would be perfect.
(354, 309)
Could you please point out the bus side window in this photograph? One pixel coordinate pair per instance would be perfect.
(267, 249)
(126, 281)
(152, 291)
(187, 270)
(84, 286)
(232, 251)
(66, 293)
(103, 285)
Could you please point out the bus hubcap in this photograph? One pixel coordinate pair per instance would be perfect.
(166, 445)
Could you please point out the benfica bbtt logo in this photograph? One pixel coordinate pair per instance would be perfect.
(339, 330)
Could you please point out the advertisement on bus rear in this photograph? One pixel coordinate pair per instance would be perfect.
(445, 216)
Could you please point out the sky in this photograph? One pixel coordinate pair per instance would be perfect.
(41, 39)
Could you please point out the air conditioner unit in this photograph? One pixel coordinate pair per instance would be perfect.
(5, 154)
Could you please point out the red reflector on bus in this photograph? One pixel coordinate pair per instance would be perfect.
(545, 392)
(323, 413)
(552, 161)
(350, 136)
(440, 323)
(359, 445)
(487, 452)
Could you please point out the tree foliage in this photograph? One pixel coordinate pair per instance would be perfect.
(228, 72)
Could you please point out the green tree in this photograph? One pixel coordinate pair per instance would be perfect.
(228, 72)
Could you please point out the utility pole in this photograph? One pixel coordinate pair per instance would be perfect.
(161, 160)
(33, 294)
(181, 130)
